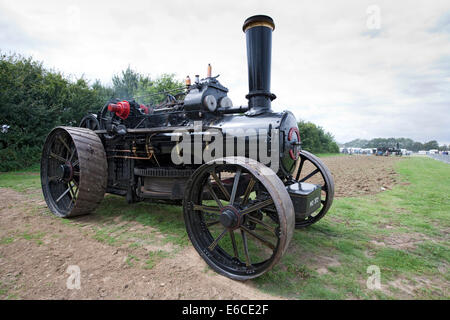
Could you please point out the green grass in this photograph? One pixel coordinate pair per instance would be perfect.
(131, 259)
(324, 155)
(21, 180)
(36, 237)
(154, 257)
(6, 240)
(166, 219)
(419, 210)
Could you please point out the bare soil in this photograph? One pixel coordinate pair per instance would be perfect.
(34, 265)
(359, 174)
(37, 249)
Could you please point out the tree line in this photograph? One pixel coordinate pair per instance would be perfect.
(34, 99)
(315, 139)
(403, 143)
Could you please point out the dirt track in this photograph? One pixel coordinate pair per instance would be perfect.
(38, 248)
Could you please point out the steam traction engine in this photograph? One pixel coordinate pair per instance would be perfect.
(239, 214)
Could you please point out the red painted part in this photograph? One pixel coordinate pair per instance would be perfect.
(145, 108)
(121, 109)
(291, 151)
(291, 132)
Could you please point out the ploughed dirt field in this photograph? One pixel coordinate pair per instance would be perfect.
(137, 255)
(357, 175)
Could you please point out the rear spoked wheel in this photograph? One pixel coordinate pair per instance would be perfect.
(311, 169)
(238, 216)
(73, 171)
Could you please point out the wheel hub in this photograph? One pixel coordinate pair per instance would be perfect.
(65, 172)
(230, 217)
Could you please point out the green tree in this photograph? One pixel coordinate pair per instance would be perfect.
(102, 92)
(431, 145)
(126, 84)
(315, 139)
(34, 100)
(154, 91)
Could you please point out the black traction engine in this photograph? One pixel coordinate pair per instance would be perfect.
(238, 171)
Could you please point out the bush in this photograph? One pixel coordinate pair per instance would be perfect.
(315, 139)
(33, 100)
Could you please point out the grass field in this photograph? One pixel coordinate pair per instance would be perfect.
(403, 232)
(324, 155)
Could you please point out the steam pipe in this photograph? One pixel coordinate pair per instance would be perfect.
(258, 31)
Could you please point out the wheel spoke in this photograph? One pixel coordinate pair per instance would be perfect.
(233, 242)
(244, 242)
(75, 163)
(65, 145)
(72, 193)
(72, 154)
(263, 224)
(76, 188)
(250, 186)
(74, 182)
(258, 206)
(62, 195)
(213, 194)
(310, 175)
(221, 186)
(57, 157)
(215, 242)
(209, 209)
(259, 237)
(235, 185)
(209, 224)
(300, 167)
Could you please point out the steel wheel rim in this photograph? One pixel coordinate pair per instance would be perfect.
(238, 260)
(61, 189)
(73, 160)
(327, 188)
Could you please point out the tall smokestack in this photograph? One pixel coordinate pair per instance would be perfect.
(258, 31)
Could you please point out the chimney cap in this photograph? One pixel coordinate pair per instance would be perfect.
(257, 21)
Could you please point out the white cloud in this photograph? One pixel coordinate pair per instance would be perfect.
(327, 67)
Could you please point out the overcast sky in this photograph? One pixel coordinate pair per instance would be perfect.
(360, 69)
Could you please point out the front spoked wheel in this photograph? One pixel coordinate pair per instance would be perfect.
(311, 169)
(238, 216)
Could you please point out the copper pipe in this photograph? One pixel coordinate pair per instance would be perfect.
(128, 157)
